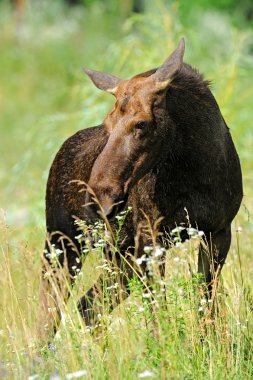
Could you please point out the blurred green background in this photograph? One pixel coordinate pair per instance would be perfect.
(44, 96)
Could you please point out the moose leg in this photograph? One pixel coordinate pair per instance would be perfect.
(60, 257)
(212, 256)
(109, 290)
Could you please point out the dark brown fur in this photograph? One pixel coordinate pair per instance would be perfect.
(181, 158)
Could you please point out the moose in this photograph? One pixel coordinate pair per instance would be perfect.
(165, 151)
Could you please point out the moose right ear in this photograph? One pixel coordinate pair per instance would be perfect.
(103, 81)
(173, 64)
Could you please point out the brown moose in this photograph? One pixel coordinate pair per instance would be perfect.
(164, 148)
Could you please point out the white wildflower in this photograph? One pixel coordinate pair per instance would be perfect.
(150, 261)
(33, 377)
(158, 251)
(148, 249)
(99, 245)
(76, 375)
(192, 231)
(115, 286)
(146, 295)
(54, 254)
(177, 230)
(146, 374)
(141, 259)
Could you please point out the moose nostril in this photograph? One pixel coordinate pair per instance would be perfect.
(103, 202)
(107, 211)
(108, 206)
(114, 206)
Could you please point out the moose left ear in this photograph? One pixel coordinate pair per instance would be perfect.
(165, 74)
(103, 81)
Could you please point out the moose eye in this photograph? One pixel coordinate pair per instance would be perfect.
(141, 129)
(141, 125)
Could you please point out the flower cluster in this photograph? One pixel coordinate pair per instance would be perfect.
(53, 255)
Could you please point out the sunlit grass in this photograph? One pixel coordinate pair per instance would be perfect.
(170, 339)
(44, 99)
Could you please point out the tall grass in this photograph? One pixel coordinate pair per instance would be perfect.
(44, 99)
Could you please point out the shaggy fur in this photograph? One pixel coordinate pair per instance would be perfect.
(191, 173)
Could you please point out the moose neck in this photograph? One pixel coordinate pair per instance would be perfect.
(195, 114)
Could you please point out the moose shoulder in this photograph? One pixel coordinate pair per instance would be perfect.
(165, 150)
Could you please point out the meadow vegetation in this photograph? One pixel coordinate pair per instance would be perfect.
(44, 99)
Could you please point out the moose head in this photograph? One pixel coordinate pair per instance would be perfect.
(139, 129)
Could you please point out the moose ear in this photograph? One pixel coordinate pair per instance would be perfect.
(165, 74)
(103, 81)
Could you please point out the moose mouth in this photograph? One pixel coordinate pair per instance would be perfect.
(115, 209)
(95, 211)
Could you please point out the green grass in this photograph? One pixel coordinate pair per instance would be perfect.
(45, 98)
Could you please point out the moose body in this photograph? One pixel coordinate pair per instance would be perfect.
(166, 151)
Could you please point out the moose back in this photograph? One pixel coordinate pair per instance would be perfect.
(165, 150)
